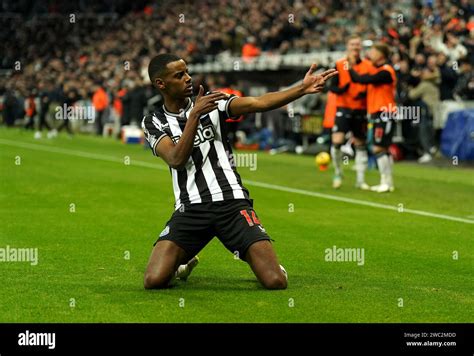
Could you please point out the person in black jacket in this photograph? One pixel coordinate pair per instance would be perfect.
(449, 78)
(70, 98)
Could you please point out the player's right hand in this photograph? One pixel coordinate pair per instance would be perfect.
(314, 83)
(206, 103)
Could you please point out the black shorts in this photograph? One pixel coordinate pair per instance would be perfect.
(234, 222)
(382, 130)
(354, 121)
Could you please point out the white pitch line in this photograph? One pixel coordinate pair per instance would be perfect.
(247, 182)
(82, 154)
(355, 201)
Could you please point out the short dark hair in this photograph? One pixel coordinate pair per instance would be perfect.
(158, 65)
(353, 37)
(383, 48)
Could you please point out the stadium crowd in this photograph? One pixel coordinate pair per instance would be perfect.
(96, 52)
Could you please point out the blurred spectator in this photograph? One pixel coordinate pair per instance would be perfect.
(449, 78)
(70, 97)
(465, 87)
(250, 49)
(100, 101)
(110, 43)
(45, 101)
(426, 96)
(134, 102)
(403, 79)
(453, 48)
(118, 103)
(10, 107)
(30, 111)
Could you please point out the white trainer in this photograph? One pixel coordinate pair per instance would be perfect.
(425, 158)
(382, 188)
(53, 133)
(336, 182)
(362, 186)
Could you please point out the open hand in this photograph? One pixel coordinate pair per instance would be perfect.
(314, 83)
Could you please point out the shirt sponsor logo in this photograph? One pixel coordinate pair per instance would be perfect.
(203, 134)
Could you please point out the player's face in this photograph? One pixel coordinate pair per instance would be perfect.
(375, 55)
(431, 62)
(354, 46)
(177, 81)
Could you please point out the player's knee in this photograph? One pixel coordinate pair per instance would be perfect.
(359, 144)
(379, 150)
(156, 280)
(337, 139)
(275, 281)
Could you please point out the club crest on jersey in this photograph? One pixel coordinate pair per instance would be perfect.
(159, 125)
(203, 134)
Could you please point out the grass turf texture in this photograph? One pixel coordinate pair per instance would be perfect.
(120, 209)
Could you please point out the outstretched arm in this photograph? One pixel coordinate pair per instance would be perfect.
(311, 84)
(382, 77)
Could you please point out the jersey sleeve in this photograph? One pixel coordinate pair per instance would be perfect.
(223, 106)
(382, 77)
(152, 128)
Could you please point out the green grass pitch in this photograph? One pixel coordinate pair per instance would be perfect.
(91, 261)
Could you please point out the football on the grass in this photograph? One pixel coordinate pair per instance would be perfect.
(322, 159)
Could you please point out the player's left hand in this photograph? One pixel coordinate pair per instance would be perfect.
(314, 83)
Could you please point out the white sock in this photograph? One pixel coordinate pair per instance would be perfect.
(389, 171)
(336, 156)
(383, 163)
(361, 160)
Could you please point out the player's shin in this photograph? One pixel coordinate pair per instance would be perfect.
(383, 165)
(361, 160)
(336, 156)
(389, 171)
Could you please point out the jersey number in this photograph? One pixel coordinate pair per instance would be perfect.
(251, 221)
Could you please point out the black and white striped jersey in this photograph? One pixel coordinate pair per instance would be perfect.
(210, 174)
